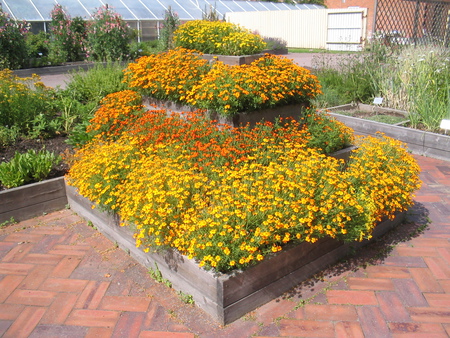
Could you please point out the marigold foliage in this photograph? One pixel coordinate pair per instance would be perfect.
(218, 37)
(232, 197)
(181, 75)
(167, 76)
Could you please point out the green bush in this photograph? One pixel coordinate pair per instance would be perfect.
(108, 36)
(28, 167)
(23, 100)
(13, 47)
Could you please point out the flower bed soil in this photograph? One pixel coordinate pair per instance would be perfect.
(56, 145)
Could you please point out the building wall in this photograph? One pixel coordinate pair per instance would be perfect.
(369, 4)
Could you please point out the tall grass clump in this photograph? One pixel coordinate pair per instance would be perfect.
(418, 80)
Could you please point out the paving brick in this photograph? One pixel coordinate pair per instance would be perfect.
(50, 230)
(100, 318)
(417, 251)
(409, 292)
(370, 283)
(10, 311)
(405, 261)
(66, 266)
(60, 309)
(445, 284)
(58, 331)
(348, 330)
(430, 314)
(17, 253)
(353, 297)
(63, 285)
(99, 332)
(425, 280)
(40, 258)
(15, 268)
(268, 312)
(36, 277)
(4, 326)
(31, 297)
(387, 272)
(330, 312)
(69, 250)
(392, 307)
(125, 303)
(161, 334)
(438, 299)
(129, 325)
(23, 237)
(25, 323)
(8, 285)
(306, 328)
(372, 322)
(408, 328)
(92, 295)
(431, 242)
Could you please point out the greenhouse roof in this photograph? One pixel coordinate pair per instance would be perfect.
(130, 10)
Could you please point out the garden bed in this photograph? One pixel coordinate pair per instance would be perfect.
(226, 297)
(419, 142)
(236, 120)
(32, 200)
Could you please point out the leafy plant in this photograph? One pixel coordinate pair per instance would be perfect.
(186, 298)
(158, 277)
(67, 36)
(13, 47)
(22, 100)
(8, 222)
(28, 167)
(108, 36)
(169, 26)
(8, 135)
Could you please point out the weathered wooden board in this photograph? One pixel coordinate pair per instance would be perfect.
(32, 200)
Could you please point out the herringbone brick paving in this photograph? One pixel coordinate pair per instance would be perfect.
(59, 277)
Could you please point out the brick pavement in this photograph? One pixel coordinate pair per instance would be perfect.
(59, 277)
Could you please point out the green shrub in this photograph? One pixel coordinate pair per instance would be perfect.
(13, 47)
(28, 167)
(108, 36)
(23, 100)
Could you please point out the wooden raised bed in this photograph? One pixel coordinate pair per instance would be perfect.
(419, 142)
(268, 114)
(226, 297)
(32, 200)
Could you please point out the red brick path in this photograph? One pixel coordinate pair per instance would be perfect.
(61, 278)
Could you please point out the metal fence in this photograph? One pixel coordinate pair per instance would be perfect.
(413, 22)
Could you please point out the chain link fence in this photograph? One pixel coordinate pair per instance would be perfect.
(413, 22)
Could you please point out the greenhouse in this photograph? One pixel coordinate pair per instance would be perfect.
(143, 15)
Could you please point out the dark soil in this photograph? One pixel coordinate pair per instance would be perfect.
(56, 145)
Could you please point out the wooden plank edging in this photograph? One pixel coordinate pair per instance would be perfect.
(32, 200)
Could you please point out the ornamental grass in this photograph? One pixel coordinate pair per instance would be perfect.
(181, 75)
(230, 197)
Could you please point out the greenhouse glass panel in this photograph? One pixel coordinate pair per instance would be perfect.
(91, 5)
(44, 7)
(21, 10)
(140, 10)
(118, 7)
(74, 8)
(182, 13)
(233, 6)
